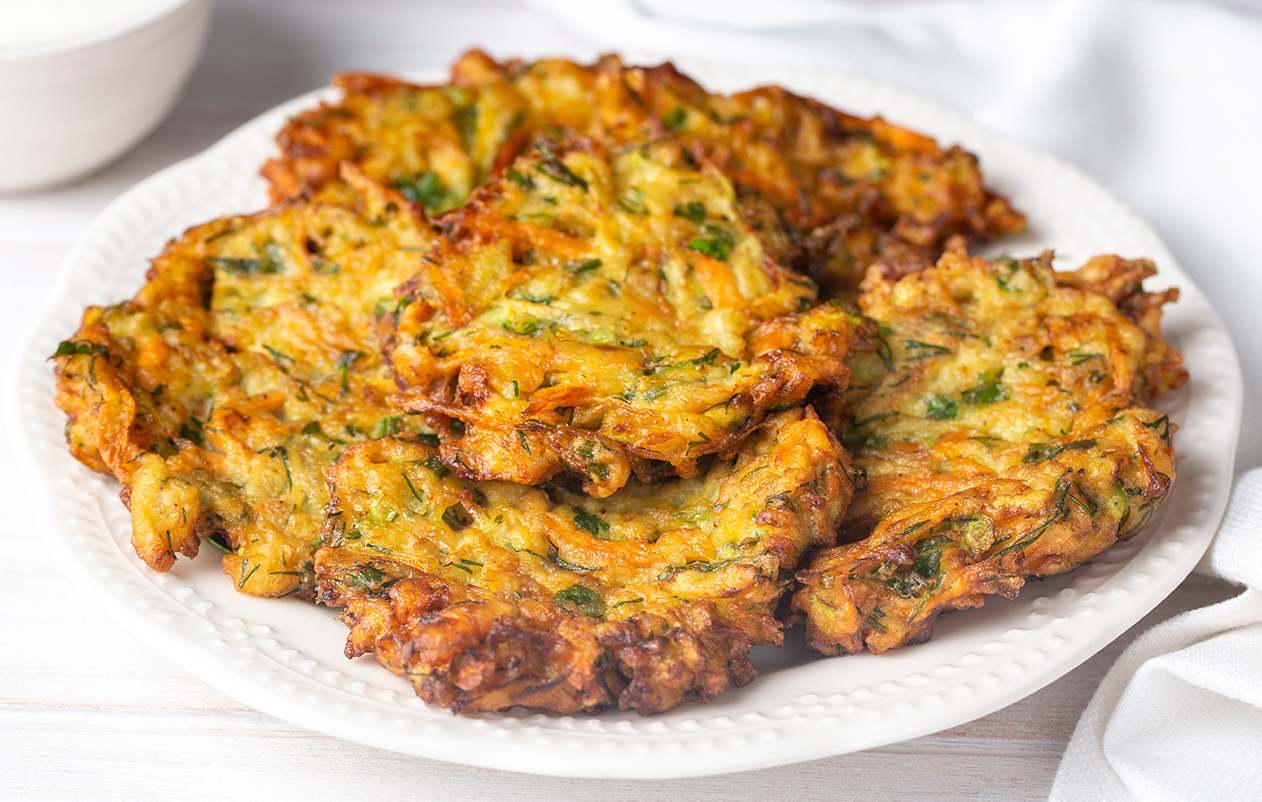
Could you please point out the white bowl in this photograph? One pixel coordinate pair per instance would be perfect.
(68, 108)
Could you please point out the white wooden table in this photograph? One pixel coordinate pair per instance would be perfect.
(87, 711)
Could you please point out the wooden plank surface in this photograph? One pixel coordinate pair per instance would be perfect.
(87, 711)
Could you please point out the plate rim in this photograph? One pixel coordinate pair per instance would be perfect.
(171, 636)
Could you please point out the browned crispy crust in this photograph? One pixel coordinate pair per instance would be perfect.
(221, 393)
(1002, 430)
(829, 192)
(1121, 281)
(462, 650)
(832, 192)
(517, 596)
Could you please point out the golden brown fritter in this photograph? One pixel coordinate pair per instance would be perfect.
(224, 390)
(1000, 429)
(594, 312)
(829, 192)
(433, 143)
(486, 595)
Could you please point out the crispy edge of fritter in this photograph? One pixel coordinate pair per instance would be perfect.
(907, 548)
(796, 355)
(931, 194)
(985, 534)
(315, 142)
(1121, 281)
(96, 388)
(804, 123)
(312, 155)
(463, 647)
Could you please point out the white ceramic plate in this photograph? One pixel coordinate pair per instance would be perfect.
(284, 657)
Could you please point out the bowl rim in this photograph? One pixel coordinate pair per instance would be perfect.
(149, 13)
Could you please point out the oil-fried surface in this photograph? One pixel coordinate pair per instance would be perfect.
(1000, 430)
(486, 595)
(605, 294)
(829, 192)
(435, 143)
(606, 314)
(224, 390)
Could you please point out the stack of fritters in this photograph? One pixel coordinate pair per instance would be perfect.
(520, 373)
(829, 193)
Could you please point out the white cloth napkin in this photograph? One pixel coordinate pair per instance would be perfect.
(1162, 102)
(1179, 716)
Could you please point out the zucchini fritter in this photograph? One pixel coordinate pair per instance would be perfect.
(435, 144)
(594, 312)
(490, 594)
(224, 390)
(1000, 428)
(829, 192)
